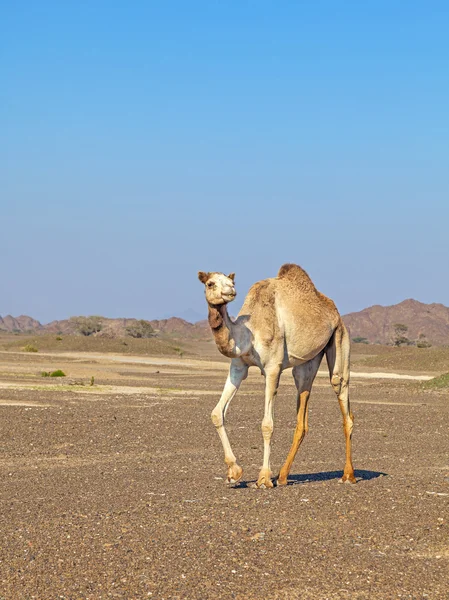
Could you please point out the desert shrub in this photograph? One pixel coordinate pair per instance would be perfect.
(57, 373)
(360, 340)
(58, 338)
(140, 329)
(87, 325)
(438, 383)
(399, 334)
(423, 344)
(422, 341)
(30, 348)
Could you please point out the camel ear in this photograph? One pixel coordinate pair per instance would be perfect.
(202, 276)
(231, 276)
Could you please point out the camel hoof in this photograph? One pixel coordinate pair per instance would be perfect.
(264, 483)
(348, 479)
(234, 474)
(281, 480)
(232, 480)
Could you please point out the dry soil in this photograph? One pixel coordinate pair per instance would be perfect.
(117, 490)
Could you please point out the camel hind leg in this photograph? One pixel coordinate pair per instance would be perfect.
(304, 376)
(338, 354)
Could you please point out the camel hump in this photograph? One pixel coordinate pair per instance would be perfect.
(292, 271)
(297, 274)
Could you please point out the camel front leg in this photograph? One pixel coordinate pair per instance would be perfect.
(237, 373)
(271, 388)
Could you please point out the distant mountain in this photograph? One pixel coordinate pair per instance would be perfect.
(174, 327)
(377, 322)
(177, 327)
(19, 324)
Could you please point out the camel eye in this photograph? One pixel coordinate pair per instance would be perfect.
(210, 284)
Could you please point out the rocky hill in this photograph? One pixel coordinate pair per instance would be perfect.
(376, 323)
(19, 324)
(177, 327)
(173, 327)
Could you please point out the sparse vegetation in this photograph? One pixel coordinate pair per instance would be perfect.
(434, 360)
(438, 383)
(360, 340)
(92, 380)
(58, 338)
(30, 348)
(423, 344)
(178, 351)
(422, 341)
(93, 343)
(87, 325)
(399, 334)
(140, 329)
(57, 373)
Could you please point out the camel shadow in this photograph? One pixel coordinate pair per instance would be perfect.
(360, 475)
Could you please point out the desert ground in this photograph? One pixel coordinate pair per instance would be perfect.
(117, 489)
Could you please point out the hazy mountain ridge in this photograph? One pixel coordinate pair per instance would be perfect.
(174, 326)
(19, 324)
(375, 323)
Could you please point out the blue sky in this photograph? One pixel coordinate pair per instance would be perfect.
(142, 142)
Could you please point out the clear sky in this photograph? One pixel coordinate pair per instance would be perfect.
(143, 141)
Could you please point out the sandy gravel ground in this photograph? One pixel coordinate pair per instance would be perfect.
(117, 490)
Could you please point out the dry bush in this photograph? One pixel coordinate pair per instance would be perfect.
(87, 325)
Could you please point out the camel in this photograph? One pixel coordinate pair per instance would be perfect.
(284, 322)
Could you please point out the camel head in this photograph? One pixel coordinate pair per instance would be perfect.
(219, 288)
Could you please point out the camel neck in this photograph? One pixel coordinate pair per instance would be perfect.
(222, 329)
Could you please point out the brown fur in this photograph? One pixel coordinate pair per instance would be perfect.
(223, 339)
(202, 276)
(298, 276)
(215, 318)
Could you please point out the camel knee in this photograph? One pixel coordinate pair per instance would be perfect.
(336, 381)
(217, 417)
(267, 428)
